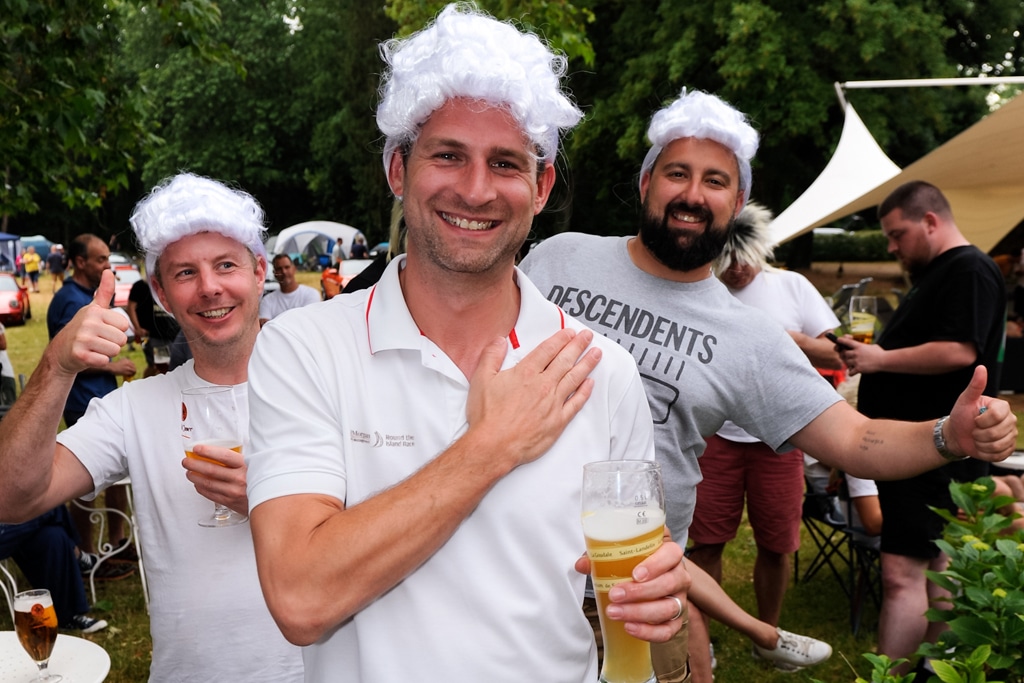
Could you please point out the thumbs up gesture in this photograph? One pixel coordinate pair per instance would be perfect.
(94, 336)
(980, 426)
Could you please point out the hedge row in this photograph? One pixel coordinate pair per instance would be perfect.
(863, 245)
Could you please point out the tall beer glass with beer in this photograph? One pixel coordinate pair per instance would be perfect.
(863, 314)
(213, 415)
(623, 522)
(35, 622)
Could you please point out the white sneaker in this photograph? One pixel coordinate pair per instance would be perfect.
(794, 652)
(86, 624)
(714, 662)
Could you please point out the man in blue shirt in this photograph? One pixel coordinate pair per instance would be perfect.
(89, 256)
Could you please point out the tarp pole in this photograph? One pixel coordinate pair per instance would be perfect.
(922, 83)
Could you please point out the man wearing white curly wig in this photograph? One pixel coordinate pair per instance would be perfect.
(418, 447)
(706, 358)
(206, 261)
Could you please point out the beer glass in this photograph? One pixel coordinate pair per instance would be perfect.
(863, 314)
(212, 416)
(623, 523)
(35, 622)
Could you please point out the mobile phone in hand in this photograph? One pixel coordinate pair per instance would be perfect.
(836, 340)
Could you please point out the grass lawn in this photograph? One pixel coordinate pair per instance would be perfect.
(817, 608)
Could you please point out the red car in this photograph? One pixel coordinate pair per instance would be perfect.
(15, 307)
(126, 277)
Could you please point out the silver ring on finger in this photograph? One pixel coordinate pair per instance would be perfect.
(679, 611)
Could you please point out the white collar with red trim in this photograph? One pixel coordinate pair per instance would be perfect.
(389, 324)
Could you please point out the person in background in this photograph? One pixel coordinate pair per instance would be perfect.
(31, 263)
(949, 324)
(56, 264)
(291, 294)
(44, 550)
(206, 261)
(151, 323)
(359, 249)
(89, 256)
(737, 467)
(705, 356)
(180, 351)
(865, 518)
(460, 524)
(337, 254)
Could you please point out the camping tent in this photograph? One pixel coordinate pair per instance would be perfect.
(978, 171)
(9, 247)
(41, 244)
(310, 239)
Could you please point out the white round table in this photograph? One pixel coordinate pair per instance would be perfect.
(1012, 462)
(76, 659)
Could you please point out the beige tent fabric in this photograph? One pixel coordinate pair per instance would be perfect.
(857, 167)
(981, 172)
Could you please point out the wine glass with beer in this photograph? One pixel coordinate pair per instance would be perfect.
(623, 523)
(863, 314)
(212, 416)
(35, 622)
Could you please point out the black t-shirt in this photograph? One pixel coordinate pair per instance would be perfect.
(154, 320)
(55, 261)
(959, 297)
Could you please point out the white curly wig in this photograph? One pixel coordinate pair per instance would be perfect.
(188, 204)
(701, 115)
(467, 53)
(750, 241)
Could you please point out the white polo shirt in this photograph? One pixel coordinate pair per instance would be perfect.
(347, 398)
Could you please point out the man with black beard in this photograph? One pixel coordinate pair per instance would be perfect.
(657, 297)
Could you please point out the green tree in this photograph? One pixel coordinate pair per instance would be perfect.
(562, 23)
(237, 120)
(296, 128)
(777, 60)
(339, 52)
(67, 128)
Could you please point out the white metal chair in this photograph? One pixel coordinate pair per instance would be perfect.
(106, 550)
(8, 585)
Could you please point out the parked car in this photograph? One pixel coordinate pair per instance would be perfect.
(15, 306)
(378, 249)
(118, 258)
(333, 280)
(126, 277)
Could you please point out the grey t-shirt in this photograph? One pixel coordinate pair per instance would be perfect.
(704, 356)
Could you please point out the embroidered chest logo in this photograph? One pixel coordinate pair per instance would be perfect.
(378, 440)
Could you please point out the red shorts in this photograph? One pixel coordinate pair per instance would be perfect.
(772, 483)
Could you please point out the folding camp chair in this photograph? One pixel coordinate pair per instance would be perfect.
(850, 558)
(841, 299)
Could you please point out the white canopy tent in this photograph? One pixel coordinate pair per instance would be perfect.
(10, 245)
(312, 238)
(979, 171)
(857, 167)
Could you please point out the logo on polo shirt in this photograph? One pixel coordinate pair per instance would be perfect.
(378, 440)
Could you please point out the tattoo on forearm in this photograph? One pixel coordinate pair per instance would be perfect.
(871, 439)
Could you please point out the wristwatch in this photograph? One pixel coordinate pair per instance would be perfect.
(940, 442)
